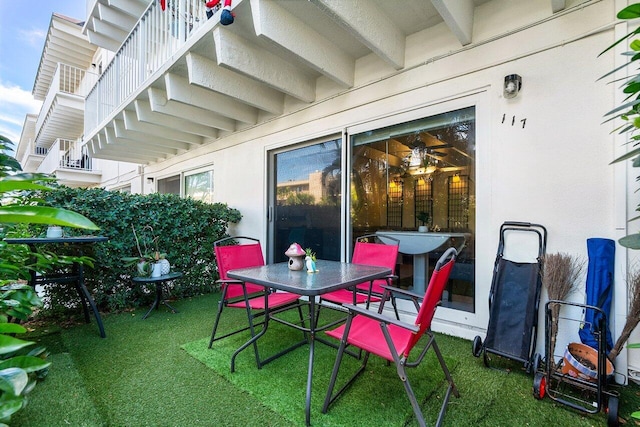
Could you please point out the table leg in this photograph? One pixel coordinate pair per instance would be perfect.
(312, 340)
(159, 300)
(173, 310)
(92, 304)
(156, 302)
(420, 272)
(83, 301)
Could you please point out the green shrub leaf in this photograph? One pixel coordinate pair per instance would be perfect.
(10, 344)
(26, 363)
(630, 12)
(12, 328)
(44, 215)
(13, 380)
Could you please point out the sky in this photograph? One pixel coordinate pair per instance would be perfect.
(23, 29)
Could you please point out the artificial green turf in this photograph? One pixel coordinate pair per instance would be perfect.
(281, 384)
(141, 376)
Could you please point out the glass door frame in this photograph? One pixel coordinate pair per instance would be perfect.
(479, 100)
(271, 192)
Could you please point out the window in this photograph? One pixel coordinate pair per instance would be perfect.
(124, 189)
(199, 186)
(423, 168)
(170, 185)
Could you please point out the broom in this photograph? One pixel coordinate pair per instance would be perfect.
(560, 275)
(633, 315)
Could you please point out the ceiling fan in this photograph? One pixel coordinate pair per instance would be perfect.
(432, 150)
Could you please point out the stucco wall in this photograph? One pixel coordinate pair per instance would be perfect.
(542, 157)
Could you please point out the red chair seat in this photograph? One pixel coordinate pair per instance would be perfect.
(276, 299)
(367, 253)
(343, 296)
(366, 333)
(376, 287)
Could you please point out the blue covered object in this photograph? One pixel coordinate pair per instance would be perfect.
(599, 289)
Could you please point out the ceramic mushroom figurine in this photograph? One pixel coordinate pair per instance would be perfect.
(296, 256)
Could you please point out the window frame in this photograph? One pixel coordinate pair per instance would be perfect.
(477, 99)
(182, 176)
(201, 170)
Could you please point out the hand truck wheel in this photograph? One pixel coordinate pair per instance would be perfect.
(539, 385)
(477, 346)
(612, 411)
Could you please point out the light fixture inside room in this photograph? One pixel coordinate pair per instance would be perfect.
(512, 85)
(429, 169)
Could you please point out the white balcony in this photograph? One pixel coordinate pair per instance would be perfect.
(70, 164)
(109, 22)
(32, 157)
(62, 112)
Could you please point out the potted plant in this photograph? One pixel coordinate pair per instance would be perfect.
(310, 260)
(150, 261)
(423, 217)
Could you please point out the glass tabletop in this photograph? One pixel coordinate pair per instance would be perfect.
(331, 275)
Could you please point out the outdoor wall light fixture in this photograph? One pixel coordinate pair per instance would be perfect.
(150, 180)
(512, 85)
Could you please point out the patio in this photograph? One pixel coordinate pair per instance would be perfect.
(141, 375)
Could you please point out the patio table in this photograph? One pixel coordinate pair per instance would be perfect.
(75, 275)
(331, 275)
(419, 245)
(158, 282)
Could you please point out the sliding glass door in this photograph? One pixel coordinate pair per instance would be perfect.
(420, 175)
(409, 176)
(305, 199)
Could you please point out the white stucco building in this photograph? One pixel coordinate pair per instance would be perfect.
(387, 108)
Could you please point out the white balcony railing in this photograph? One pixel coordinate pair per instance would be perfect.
(40, 151)
(31, 150)
(65, 154)
(156, 37)
(70, 80)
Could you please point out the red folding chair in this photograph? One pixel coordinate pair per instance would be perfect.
(369, 251)
(231, 254)
(394, 340)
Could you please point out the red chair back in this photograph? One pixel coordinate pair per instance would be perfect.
(231, 257)
(433, 295)
(375, 254)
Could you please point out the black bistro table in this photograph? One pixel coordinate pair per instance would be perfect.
(331, 275)
(75, 275)
(158, 282)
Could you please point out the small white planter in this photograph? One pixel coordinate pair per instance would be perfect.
(53, 231)
(166, 266)
(156, 269)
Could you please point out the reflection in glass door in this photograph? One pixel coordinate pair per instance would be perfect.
(420, 172)
(305, 200)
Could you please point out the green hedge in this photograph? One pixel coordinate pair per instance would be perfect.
(185, 228)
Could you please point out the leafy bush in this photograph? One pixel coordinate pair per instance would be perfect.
(185, 231)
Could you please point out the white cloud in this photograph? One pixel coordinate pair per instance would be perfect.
(34, 37)
(16, 96)
(16, 104)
